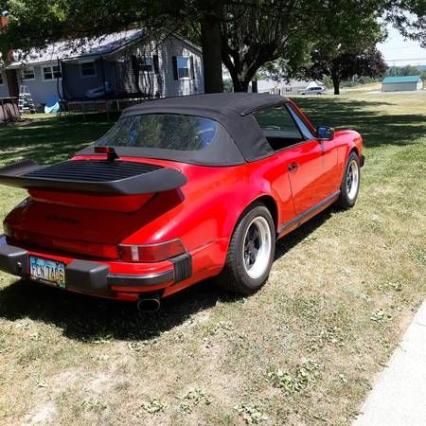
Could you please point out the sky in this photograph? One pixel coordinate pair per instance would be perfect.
(398, 51)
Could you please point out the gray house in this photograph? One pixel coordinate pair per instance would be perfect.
(121, 65)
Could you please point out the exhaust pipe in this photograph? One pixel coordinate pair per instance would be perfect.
(149, 303)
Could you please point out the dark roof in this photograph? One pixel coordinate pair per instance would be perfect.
(78, 48)
(232, 110)
(239, 103)
(239, 137)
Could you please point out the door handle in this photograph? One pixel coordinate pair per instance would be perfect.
(292, 167)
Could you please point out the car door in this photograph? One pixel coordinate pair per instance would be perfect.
(329, 180)
(303, 157)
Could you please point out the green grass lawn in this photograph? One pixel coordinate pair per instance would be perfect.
(304, 350)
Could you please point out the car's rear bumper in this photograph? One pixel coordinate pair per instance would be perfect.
(96, 278)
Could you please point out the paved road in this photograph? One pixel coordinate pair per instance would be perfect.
(399, 396)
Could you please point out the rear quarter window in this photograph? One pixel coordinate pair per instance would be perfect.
(162, 131)
(171, 136)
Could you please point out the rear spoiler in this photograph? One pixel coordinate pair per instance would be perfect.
(94, 176)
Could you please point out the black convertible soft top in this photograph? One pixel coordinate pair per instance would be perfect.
(241, 104)
(232, 110)
(240, 140)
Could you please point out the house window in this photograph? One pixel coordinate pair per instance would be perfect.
(147, 63)
(52, 72)
(183, 64)
(87, 69)
(28, 73)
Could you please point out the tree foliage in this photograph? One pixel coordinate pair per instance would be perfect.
(243, 34)
(409, 17)
(256, 32)
(347, 33)
(345, 66)
(403, 71)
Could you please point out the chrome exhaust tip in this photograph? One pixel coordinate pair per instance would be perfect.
(149, 304)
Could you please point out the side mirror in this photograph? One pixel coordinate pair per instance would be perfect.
(325, 133)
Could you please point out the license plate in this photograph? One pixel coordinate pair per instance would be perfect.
(47, 271)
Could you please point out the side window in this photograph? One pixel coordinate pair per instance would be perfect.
(87, 69)
(183, 67)
(306, 132)
(147, 63)
(51, 72)
(27, 73)
(278, 127)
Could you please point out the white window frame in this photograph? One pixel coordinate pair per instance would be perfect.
(187, 57)
(25, 69)
(95, 73)
(51, 71)
(149, 62)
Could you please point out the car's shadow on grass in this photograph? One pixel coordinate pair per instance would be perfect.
(89, 319)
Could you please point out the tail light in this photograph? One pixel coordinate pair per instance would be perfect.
(151, 252)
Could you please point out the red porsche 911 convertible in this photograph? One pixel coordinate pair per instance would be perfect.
(179, 190)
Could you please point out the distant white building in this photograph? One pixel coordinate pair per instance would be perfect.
(284, 87)
(402, 83)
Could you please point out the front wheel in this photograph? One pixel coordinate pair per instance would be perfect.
(350, 184)
(251, 252)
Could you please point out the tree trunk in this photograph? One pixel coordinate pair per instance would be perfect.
(240, 85)
(336, 83)
(211, 42)
(254, 86)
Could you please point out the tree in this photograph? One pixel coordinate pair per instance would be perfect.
(409, 17)
(371, 64)
(403, 71)
(244, 34)
(347, 32)
(346, 65)
(259, 31)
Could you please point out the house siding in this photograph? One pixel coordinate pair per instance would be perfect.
(401, 87)
(171, 47)
(75, 85)
(40, 89)
(123, 77)
(118, 73)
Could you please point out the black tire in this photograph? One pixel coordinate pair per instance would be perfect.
(348, 197)
(234, 276)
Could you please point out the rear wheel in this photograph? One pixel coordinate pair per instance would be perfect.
(350, 184)
(251, 252)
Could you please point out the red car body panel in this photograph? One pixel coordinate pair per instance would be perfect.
(296, 183)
